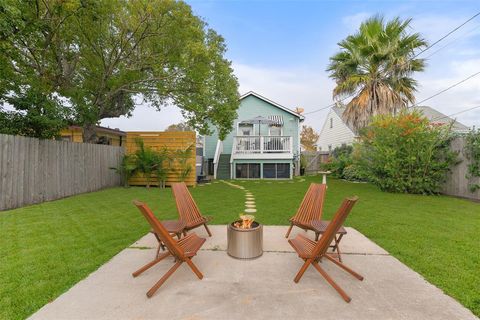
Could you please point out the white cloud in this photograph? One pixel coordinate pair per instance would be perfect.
(457, 99)
(352, 22)
(146, 118)
(307, 88)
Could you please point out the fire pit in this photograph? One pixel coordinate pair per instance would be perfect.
(245, 238)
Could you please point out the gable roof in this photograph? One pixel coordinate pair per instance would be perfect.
(436, 116)
(339, 111)
(273, 103)
(431, 114)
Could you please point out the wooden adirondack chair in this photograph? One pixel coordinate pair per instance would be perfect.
(310, 209)
(312, 252)
(182, 250)
(188, 209)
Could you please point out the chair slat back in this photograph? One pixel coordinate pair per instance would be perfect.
(312, 204)
(186, 206)
(322, 246)
(160, 230)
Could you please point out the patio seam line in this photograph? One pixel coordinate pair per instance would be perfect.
(278, 251)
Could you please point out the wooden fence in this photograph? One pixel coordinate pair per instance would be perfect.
(457, 184)
(34, 170)
(173, 141)
(313, 160)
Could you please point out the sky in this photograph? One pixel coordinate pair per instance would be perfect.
(281, 49)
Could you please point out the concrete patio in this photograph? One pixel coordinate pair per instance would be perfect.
(257, 289)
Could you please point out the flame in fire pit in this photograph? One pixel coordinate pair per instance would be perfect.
(246, 221)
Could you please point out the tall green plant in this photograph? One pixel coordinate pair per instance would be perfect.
(127, 168)
(472, 152)
(163, 166)
(182, 157)
(146, 160)
(405, 153)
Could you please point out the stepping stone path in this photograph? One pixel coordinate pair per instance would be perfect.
(250, 206)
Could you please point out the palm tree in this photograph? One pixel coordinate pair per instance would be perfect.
(375, 67)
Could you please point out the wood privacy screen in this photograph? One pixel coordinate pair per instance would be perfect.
(457, 184)
(34, 170)
(173, 141)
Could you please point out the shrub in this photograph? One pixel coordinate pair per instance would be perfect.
(354, 173)
(405, 153)
(339, 160)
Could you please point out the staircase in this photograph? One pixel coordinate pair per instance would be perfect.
(223, 170)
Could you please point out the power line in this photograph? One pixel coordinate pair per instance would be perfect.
(445, 36)
(456, 113)
(416, 55)
(453, 41)
(446, 89)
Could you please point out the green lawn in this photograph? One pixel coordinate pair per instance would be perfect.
(45, 249)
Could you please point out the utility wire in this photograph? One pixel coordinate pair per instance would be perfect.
(416, 55)
(456, 113)
(448, 34)
(446, 89)
(453, 41)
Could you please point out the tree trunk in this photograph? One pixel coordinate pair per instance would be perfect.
(89, 134)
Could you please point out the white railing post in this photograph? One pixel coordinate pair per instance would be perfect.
(216, 158)
(261, 144)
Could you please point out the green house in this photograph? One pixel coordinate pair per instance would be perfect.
(264, 142)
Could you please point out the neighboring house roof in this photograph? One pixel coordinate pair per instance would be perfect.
(273, 103)
(101, 129)
(433, 115)
(437, 117)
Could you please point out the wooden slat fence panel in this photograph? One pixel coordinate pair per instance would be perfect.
(34, 171)
(457, 184)
(313, 160)
(172, 141)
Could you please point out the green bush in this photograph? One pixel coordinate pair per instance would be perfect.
(405, 153)
(340, 159)
(354, 173)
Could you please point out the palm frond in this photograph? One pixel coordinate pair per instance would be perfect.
(377, 62)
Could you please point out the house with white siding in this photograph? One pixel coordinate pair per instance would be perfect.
(256, 150)
(336, 132)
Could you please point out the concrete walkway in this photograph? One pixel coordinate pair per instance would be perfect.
(257, 289)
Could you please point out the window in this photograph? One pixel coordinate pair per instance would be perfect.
(269, 170)
(331, 123)
(210, 167)
(276, 170)
(247, 171)
(104, 140)
(283, 170)
(245, 129)
(275, 131)
(329, 147)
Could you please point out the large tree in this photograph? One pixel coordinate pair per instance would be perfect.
(309, 138)
(103, 57)
(375, 66)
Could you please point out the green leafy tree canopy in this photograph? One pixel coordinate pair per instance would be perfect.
(103, 57)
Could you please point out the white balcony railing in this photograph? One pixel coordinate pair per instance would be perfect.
(262, 144)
